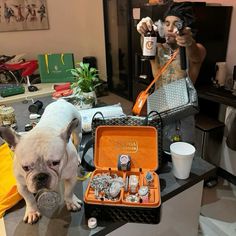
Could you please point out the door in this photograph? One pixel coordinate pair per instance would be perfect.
(117, 38)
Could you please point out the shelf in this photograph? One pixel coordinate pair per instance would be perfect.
(219, 95)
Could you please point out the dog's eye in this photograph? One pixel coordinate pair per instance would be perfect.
(55, 163)
(26, 168)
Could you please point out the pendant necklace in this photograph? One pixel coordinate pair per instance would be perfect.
(169, 51)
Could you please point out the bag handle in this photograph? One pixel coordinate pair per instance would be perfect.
(161, 71)
(46, 58)
(143, 95)
(98, 113)
(89, 144)
(153, 114)
(87, 166)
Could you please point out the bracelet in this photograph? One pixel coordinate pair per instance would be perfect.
(133, 183)
(190, 43)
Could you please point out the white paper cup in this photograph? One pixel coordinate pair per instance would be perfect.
(182, 157)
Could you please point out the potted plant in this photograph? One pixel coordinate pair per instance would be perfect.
(86, 80)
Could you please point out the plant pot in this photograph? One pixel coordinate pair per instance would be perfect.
(83, 100)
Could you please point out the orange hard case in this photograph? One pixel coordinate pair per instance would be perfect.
(141, 144)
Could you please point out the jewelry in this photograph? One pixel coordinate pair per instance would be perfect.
(132, 198)
(133, 183)
(126, 183)
(143, 193)
(168, 53)
(124, 162)
(149, 177)
(106, 187)
(188, 44)
(171, 51)
(114, 189)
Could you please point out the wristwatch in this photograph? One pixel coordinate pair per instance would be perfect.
(133, 183)
(124, 162)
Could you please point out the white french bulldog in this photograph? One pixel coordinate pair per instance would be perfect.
(45, 155)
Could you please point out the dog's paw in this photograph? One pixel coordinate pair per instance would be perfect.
(31, 217)
(74, 204)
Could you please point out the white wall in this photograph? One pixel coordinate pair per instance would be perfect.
(231, 51)
(75, 26)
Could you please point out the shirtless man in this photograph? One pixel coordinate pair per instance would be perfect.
(195, 52)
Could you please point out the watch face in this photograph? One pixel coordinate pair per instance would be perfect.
(133, 180)
(124, 159)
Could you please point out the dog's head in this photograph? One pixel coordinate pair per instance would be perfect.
(40, 155)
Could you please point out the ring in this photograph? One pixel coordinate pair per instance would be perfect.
(132, 198)
(149, 177)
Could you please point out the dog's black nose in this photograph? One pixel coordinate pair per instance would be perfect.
(41, 180)
(41, 177)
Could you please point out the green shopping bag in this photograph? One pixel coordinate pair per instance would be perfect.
(54, 68)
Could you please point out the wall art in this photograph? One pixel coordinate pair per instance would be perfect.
(16, 15)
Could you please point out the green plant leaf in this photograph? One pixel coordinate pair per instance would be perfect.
(86, 77)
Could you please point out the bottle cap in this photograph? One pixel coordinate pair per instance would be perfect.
(92, 222)
(47, 201)
(34, 116)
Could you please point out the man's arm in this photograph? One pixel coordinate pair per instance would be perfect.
(195, 52)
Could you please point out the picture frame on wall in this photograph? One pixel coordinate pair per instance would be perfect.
(19, 15)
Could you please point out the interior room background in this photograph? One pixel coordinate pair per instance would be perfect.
(77, 26)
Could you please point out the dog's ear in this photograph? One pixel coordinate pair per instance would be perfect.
(10, 136)
(67, 132)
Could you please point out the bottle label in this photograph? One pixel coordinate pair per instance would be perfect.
(149, 46)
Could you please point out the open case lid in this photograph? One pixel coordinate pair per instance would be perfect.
(139, 142)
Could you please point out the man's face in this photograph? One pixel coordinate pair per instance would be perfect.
(170, 29)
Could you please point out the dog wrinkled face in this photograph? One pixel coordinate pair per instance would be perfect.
(40, 160)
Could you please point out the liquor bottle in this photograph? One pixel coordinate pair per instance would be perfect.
(149, 44)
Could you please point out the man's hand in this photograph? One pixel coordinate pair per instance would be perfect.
(185, 39)
(145, 25)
